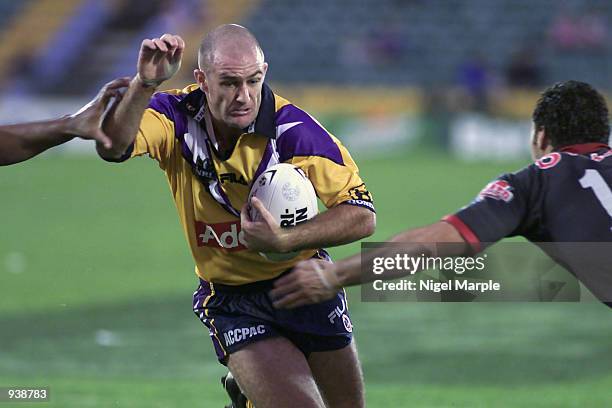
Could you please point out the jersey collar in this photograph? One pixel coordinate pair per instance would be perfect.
(584, 148)
(194, 101)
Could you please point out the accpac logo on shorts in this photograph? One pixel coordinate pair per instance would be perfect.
(498, 190)
(225, 235)
(241, 334)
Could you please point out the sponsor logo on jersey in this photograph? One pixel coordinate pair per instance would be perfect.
(232, 178)
(225, 235)
(242, 334)
(360, 196)
(600, 157)
(497, 190)
(360, 193)
(549, 161)
(361, 203)
(204, 168)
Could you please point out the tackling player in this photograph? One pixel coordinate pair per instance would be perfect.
(565, 196)
(212, 139)
(22, 141)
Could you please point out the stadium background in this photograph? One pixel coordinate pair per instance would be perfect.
(433, 99)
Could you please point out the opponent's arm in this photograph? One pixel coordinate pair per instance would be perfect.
(158, 60)
(339, 225)
(314, 280)
(22, 141)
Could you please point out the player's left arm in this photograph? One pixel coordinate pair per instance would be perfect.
(350, 214)
(338, 225)
(23, 141)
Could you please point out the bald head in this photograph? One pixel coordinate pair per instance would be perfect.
(231, 74)
(228, 40)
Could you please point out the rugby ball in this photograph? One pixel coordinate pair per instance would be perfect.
(288, 195)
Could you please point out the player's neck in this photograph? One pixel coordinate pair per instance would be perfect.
(226, 138)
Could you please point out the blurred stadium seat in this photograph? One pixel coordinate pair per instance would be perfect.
(430, 60)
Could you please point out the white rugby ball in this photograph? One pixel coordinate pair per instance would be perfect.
(288, 195)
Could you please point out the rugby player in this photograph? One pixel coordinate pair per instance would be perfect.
(23, 141)
(212, 139)
(564, 196)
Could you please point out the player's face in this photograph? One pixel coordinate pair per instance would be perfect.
(233, 88)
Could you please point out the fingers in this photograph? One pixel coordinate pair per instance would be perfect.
(263, 212)
(118, 83)
(180, 47)
(285, 285)
(161, 45)
(287, 279)
(171, 40)
(101, 137)
(167, 43)
(175, 43)
(178, 54)
(159, 59)
(303, 285)
(292, 278)
(244, 217)
(104, 99)
(181, 43)
(148, 45)
(291, 301)
(113, 90)
(292, 290)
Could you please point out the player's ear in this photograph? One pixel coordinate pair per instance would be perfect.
(200, 78)
(541, 141)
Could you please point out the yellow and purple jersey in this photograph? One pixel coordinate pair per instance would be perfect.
(209, 192)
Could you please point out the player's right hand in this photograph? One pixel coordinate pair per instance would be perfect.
(310, 281)
(159, 59)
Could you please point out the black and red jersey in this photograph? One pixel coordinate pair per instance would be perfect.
(564, 197)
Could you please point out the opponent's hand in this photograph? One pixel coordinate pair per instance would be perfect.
(159, 59)
(263, 235)
(86, 123)
(310, 281)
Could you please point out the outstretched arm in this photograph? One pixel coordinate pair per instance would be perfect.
(314, 280)
(22, 141)
(159, 59)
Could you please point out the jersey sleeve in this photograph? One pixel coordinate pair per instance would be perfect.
(303, 142)
(505, 207)
(156, 133)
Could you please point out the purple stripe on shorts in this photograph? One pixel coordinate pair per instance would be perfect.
(199, 308)
(219, 350)
(305, 139)
(167, 105)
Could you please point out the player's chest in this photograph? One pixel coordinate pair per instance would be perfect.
(234, 175)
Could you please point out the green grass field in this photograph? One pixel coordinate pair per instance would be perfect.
(96, 283)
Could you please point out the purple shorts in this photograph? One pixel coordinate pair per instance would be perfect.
(240, 315)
